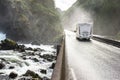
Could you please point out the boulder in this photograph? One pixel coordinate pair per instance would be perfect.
(52, 66)
(1, 73)
(35, 49)
(43, 71)
(2, 65)
(13, 75)
(35, 59)
(21, 48)
(29, 48)
(32, 74)
(45, 78)
(48, 57)
(2, 59)
(24, 57)
(8, 44)
(11, 67)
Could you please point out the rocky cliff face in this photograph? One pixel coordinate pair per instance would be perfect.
(30, 20)
(105, 14)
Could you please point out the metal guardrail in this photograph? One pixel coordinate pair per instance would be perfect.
(59, 70)
(108, 41)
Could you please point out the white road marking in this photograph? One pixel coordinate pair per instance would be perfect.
(72, 75)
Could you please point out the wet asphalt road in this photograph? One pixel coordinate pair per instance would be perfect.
(92, 60)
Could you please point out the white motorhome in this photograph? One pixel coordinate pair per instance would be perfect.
(84, 31)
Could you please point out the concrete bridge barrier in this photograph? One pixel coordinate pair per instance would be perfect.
(59, 70)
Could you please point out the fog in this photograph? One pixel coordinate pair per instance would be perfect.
(74, 16)
(30, 21)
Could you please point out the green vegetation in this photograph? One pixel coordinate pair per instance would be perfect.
(99, 5)
(30, 20)
(8, 44)
(105, 14)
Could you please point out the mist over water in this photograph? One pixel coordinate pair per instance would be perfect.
(75, 16)
(2, 36)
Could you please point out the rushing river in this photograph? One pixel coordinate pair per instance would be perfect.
(37, 58)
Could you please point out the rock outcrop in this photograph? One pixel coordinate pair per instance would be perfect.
(35, 21)
(105, 15)
(32, 74)
(8, 44)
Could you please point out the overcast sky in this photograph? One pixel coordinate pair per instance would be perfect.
(64, 4)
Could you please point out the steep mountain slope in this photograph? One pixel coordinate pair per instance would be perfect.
(105, 14)
(30, 20)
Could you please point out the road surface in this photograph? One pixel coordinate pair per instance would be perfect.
(92, 60)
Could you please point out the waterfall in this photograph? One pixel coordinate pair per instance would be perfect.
(2, 36)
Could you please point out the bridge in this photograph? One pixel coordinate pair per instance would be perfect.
(97, 59)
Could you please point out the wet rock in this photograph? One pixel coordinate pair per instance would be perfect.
(54, 52)
(11, 67)
(43, 71)
(29, 57)
(45, 78)
(30, 53)
(32, 74)
(21, 48)
(35, 50)
(25, 78)
(2, 59)
(8, 44)
(48, 57)
(13, 75)
(35, 59)
(58, 48)
(29, 49)
(1, 73)
(2, 65)
(39, 49)
(52, 66)
(0, 47)
(24, 57)
(44, 60)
